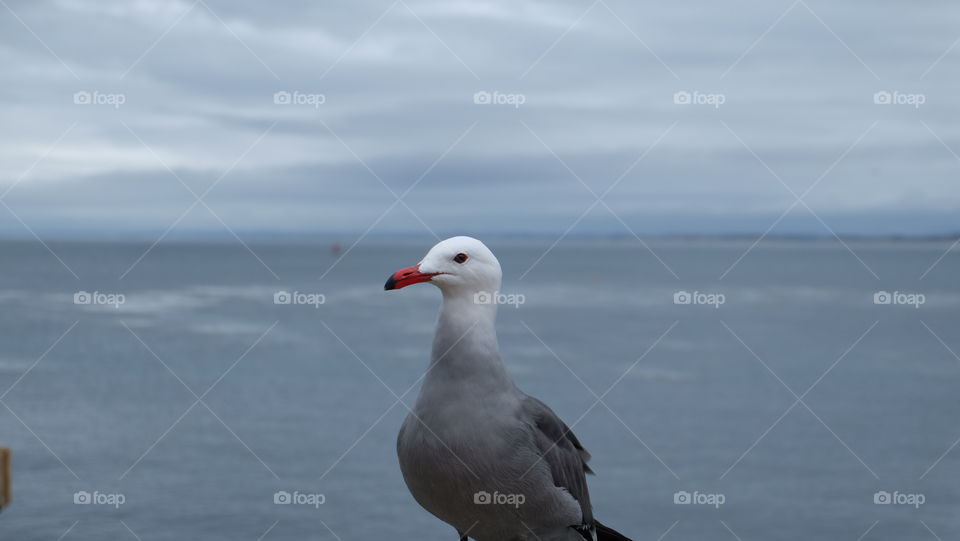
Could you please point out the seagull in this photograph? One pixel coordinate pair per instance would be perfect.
(475, 451)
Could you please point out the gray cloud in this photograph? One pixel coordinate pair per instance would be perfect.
(198, 83)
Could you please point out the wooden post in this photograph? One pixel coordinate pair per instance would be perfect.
(6, 494)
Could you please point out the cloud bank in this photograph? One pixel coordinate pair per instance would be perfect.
(407, 116)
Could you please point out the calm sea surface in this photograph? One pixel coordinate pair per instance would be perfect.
(185, 409)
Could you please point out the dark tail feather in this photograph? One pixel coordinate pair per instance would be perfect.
(609, 534)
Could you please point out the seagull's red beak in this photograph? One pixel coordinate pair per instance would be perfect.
(408, 276)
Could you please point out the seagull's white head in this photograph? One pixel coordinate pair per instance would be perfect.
(456, 265)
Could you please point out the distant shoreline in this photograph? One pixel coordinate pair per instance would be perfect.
(346, 239)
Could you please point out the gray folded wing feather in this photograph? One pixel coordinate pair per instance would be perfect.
(562, 451)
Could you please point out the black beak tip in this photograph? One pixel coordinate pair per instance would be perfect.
(391, 284)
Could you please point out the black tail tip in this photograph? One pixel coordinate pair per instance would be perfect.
(605, 533)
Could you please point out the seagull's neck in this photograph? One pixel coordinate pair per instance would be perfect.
(465, 349)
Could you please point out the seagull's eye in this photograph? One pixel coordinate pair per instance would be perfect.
(460, 258)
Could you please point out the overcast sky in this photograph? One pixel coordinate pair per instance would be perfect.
(119, 114)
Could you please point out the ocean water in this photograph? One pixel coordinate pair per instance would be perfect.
(783, 412)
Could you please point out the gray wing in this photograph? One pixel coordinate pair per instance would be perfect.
(561, 449)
